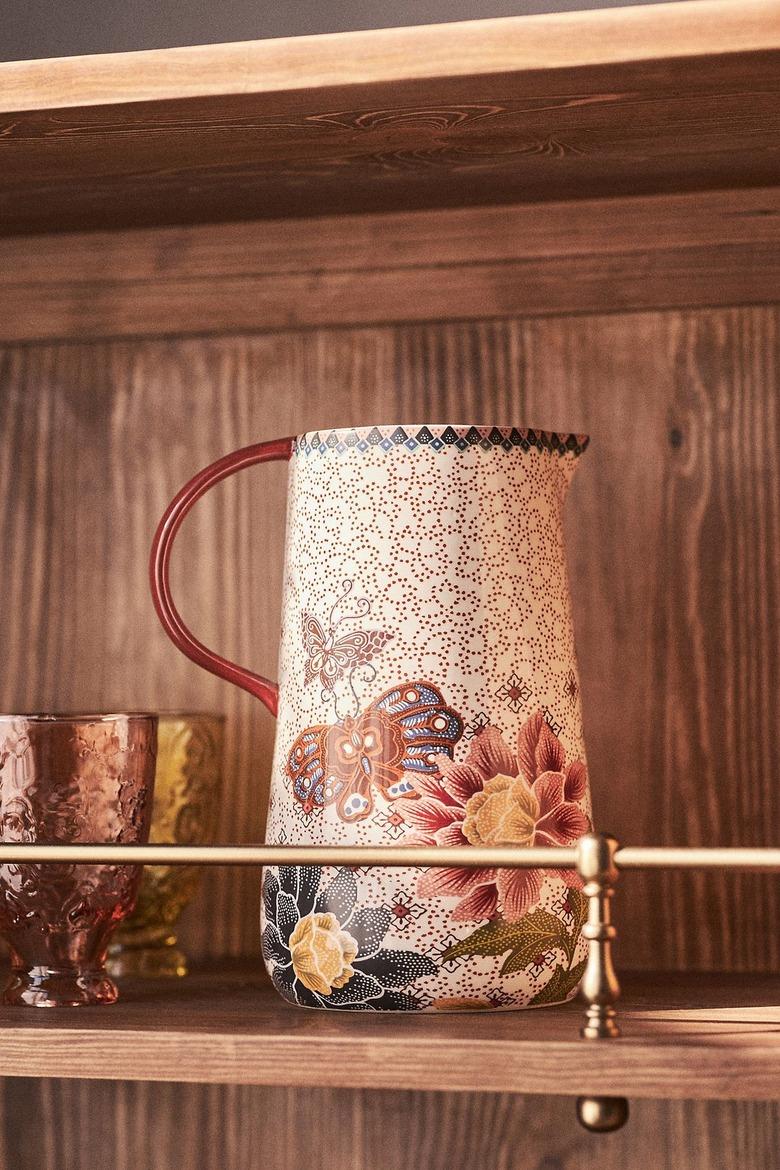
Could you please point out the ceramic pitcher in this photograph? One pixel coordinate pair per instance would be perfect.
(427, 694)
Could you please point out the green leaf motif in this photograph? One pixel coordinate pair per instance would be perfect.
(534, 934)
(579, 906)
(560, 984)
(493, 938)
(542, 932)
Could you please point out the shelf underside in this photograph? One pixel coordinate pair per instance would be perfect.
(668, 98)
(685, 1036)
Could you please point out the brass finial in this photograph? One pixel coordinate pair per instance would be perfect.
(600, 988)
(602, 1114)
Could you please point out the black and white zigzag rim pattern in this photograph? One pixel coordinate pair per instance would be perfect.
(447, 438)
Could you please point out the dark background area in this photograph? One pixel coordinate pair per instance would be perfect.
(62, 28)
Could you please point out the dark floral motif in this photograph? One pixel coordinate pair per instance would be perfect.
(324, 952)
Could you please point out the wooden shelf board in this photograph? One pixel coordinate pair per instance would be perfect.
(664, 98)
(456, 49)
(685, 1036)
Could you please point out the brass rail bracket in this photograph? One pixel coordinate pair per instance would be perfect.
(600, 989)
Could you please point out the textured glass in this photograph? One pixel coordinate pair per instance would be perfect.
(68, 779)
(187, 789)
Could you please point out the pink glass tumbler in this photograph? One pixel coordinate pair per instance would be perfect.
(67, 779)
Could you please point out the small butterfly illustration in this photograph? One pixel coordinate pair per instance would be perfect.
(345, 763)
(330, 657)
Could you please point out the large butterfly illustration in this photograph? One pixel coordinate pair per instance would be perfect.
(379, 750)
(332, 657)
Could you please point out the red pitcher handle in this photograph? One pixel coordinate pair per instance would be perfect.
(261, 688)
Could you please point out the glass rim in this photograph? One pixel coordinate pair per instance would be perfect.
(75, 716)
(187, 713)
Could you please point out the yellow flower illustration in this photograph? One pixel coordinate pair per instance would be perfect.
(505, 812)
(322, 953)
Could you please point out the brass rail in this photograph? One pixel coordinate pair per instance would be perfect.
(596, 857)
(393, 856)
(468, 856)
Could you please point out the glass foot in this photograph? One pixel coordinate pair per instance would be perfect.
(58, 987)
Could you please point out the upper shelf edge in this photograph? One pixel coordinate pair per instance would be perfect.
(689, 28)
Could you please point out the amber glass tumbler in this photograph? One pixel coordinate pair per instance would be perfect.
(67, 779)
(187, 793)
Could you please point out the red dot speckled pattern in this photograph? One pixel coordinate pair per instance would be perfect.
(425, 581)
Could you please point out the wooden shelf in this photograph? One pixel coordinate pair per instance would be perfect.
(685, 1036)
(666, 98)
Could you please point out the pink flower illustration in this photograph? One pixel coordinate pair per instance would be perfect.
(497, 797)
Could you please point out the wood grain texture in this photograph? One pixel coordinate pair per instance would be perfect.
(673, 542)
(720, 247)
(673, 546)
(582, 105)
(398, 240)
(125, 1126)
(684, 1037)
(681, 606)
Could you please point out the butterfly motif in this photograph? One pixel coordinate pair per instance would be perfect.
(345, 763)
(331, 657)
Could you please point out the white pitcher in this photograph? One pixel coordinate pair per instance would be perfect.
(427, 694)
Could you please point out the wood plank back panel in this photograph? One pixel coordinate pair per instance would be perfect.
(673, 545)
(354, 243)
(709, 248)
(131, 1126)
(674, 541)
(674, 526)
